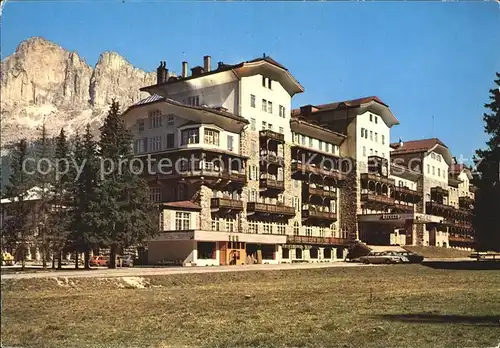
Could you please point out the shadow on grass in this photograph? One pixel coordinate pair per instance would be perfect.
(426, 318)
(28, 269)
(463, 265)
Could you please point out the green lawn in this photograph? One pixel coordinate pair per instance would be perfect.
(388, 306)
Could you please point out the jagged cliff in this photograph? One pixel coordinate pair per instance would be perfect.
(42, 80)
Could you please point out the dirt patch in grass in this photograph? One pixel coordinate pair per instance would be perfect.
(393, 306)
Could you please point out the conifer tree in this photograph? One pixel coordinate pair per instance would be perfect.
(126, 215)
(487, 217)
(19, 227)
(61, 198)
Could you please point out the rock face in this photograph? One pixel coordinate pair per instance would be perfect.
(42, 80)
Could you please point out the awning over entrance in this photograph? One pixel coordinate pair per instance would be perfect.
(416, 218)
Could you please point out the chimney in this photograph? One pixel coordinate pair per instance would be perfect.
(159, 73)
(184, 70)
(197, 71)
(165, 71)
(206, 63)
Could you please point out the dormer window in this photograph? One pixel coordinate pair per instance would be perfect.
(190, 136)
(154, 119)
(140, 125)
(211, 137)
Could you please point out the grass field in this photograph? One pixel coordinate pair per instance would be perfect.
(388, 306)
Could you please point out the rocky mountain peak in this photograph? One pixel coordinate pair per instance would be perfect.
(42, 80)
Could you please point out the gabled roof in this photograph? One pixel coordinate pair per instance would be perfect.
(245, 68)
(363, 104)
(455, 169)
(422, 146)
(315, 130)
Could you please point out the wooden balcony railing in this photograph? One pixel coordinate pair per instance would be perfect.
(407, 191)
(316, 240)
(460, 239)
(317, 213)
(273, 158)
(439, 209)
(376, 198)
(272, 184)
(233, 176)
(298, 167)
(321, 192)
(269, 134)
(465, 202)
(404, 208)
(270, 208)
(365, 177)
(439, 190)
(226, 203)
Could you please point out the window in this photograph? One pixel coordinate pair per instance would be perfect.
(194, 101)
(230, 142)
(139, 145)
(190, 136)
(182, 221)
(322, 231)
(296, 228)
(282, 111)
(252, 124)
(428, 169)
(281, 130)
(154, 119)
(229, 225)
(327, 147)
(216, 224)
(140, 124)
(264, 124)
(155, 194)
(376, 119)
(383, 139)
(321, 145)
(364, 150)
(253, 196)
(155, 143)
(371, 151)
(211, 137)
(366, 133)
(376, 152)
(269, 126)
(303, 139)
(264, 105)
(295, 203)
(269, 83)
(170, 120)
(308, 231)
(270, 107)
(281, 228)
(371, 135)
(433, 170)
(310, 142)
(376, 137)
(371, 118)
(267, 227)
(252, 100)
(439, 171)
(263, 81)
(252, 227)
(362, 132)
(170, 140)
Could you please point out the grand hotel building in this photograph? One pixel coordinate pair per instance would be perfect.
(249, 180)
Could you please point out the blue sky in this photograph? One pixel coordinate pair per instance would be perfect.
(424, 59)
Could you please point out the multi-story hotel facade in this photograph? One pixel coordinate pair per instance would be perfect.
(242, 178)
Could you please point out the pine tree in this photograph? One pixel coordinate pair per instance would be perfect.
(126, 216)
(487, 218)
(84, 232)
(60, 198)
(19, 227)
(43, 182)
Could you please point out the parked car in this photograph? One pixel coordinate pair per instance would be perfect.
(403, 258)
(378, 257)
(98, 260)
(128, 261)
(7, 259)
(412, 257)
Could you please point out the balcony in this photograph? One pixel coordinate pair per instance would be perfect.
(233, 176)
(318, 213)
(226, 204)
(460, 239)
(298, 167)
(365, 177)
(272, 158)
(269, 134)
(406, 194)
(439, 209)
(403, 208)
(438, 190)
(377, 198)
(317, 240)
(466, 202)
(272, 184)
(318, 191)
(276, 209)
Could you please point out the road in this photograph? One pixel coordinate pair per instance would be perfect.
(149, 271)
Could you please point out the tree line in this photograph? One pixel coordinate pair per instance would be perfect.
(77, 209)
